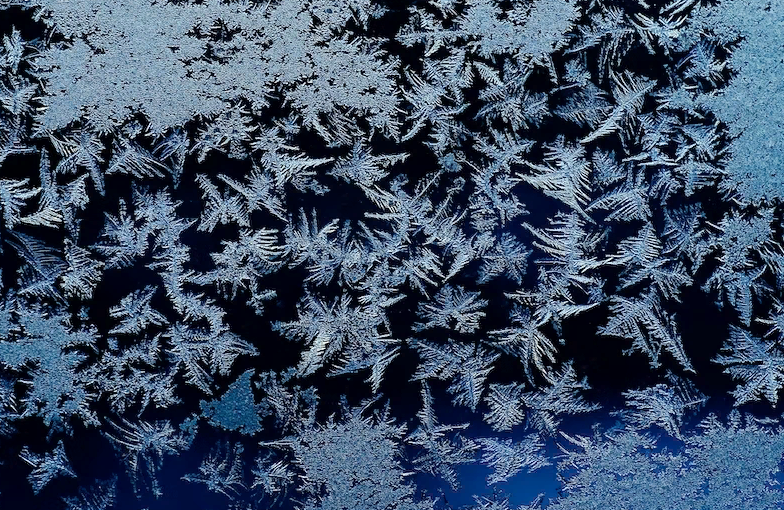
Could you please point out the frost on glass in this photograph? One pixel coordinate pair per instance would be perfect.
(235, 410)
(226, 224)
(723, 466)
